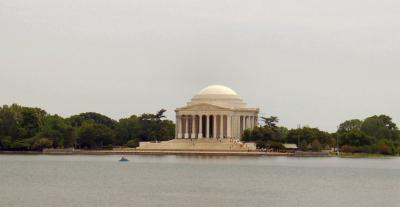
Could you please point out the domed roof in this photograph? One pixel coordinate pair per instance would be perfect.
(218, 95)
(217, 90)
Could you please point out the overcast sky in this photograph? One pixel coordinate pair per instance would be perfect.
(309, 62)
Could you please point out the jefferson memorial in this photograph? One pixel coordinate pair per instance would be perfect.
(216, 112)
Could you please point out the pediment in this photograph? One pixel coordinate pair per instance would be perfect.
(203, 107)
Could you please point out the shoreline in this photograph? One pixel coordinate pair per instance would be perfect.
(195, 153)
(163, 152)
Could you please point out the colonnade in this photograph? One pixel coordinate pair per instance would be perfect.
(198, 126)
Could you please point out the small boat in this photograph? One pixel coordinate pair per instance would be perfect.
(123, 159)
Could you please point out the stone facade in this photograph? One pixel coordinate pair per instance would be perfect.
(215, 112)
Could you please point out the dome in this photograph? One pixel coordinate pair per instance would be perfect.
(217, 90)
(218, 95)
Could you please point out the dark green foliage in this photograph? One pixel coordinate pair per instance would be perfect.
(270, 122)
(59, 131)
(154, 128)
(42, 143)
(127, 129)
(380, 127)
(376, 134)
(21, 144)
(78, 120)
(133, 143)
(303, 145)
(267, 136)
(350, 125)
(355, 138)
(305, 136)
(94, 136)
(316, 146)
(5, 142)
(25, 128)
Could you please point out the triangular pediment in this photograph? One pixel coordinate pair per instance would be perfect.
(203, 107)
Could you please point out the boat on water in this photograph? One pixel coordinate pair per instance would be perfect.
(123, 159)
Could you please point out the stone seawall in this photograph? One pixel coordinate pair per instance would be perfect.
(165, 152)
(311, 154)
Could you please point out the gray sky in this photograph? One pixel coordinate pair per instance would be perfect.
(309, 62)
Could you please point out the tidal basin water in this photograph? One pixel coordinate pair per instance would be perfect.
(97, 181)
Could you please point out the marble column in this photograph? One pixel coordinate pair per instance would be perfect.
(214, 126)
(228, 126)
(221, 126)
(200, 135)
(178, 127)
(181, 119)
(186, 126)
(208, 126)
(193, 135)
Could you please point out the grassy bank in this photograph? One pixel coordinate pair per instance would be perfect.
(362, 155)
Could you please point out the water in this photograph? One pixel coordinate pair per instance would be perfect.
(61, 181)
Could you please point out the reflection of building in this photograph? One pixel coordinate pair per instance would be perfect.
(215, 112)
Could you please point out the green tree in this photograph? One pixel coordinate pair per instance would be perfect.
(270, 122)
(350, 125)
(380, 127)
(127, 129)
(78, 120)
(93, 136)
(59, 131)
(316, 146)
(153, 127)
(308, 135)
(42, 143)
(355, 138)
(133, 143)
(267, 136)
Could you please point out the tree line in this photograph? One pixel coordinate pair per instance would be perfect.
(27, 128)
(375, 134)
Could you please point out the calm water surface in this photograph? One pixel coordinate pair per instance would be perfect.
(49, 181)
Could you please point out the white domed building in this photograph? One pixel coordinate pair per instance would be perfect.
(215, 112)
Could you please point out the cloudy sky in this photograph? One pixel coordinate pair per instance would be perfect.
(309, 62)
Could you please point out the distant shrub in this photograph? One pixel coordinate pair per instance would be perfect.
(133, 143)
(42, 143)
(348, 149)
(261, 145)
(5, 142)
(316, 146)
(383, 149)
(276, 146)
(23, 144)
(303, 145)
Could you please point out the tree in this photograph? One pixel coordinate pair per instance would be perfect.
(316, 146)
(270, 122)
(350, 125)
(380, 127)
(269, 135)
(132, 143)
(42, 143)
(355, 138)
(93, 136)
(58, 130)
(78, 120)
(308, 135)
(127, 129)
(5, 142)
(20, 122)
(154, 128)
